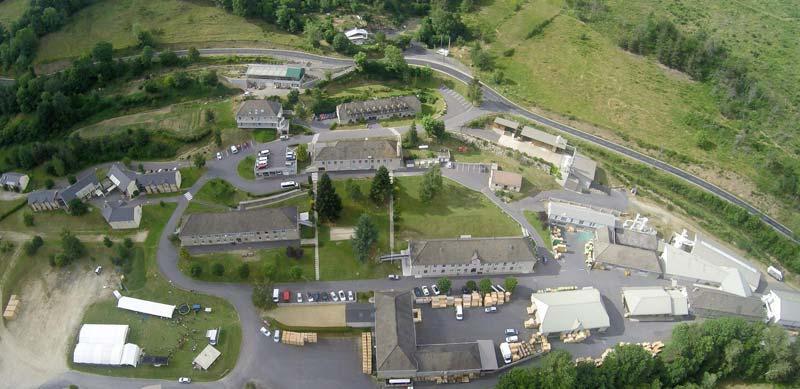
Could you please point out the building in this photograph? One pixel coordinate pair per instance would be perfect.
(397, 354)
(131, 183)
(144, 306)
(564, 213)
(43, 200)
(783, 307)
(378, 109)
(505, 125)
(206, 358)
(15, 182)
(120, 218)
(469, 256)
(262, 114)
(564, 312)
(713, 303)
(579, 171)
(539, 138)
(359, 315)
(358, 36)
(628, 250)
(654, 303)
(105, 344)
(366, 154)
(236, 227)
(704, 262)
(277, 76)
(82, 190)
(502, 180)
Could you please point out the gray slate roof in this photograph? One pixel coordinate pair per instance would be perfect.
(357, 149)
(636, 239)
(259, 108)
(71, 191)
(396, 104)
(543, 137)
(606, 251)
(118, 214)
(11, 178)
(395, 335)
(358, 313)
(449, 357)
(42, 196)
(506, 123)
(168, 177)
(707, 299)
(123, 175)
(463, 251)
(262, 219)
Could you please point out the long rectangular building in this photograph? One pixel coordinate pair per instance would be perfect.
(378, 109)
(361, 154)
(278, 76)
(250, 226)
(447, 257)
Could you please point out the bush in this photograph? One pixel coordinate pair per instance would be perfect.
(485, 286)
(262, 296)
(32, 246)
(510, 284)
(244, 271)
(107, 241)
(27, 219)
(444, 285)
(218, 269)
(196, 270)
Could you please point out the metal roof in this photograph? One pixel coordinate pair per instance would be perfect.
(714, 253)
(506, 123)
(682, 264)
(281, 71)
(570, 310)
(783, 305)
(234, 222)
(655, 300)
(465, 251)
(395, 335)
(575, 214)
(357, 149)
(259, 108)
(543, 137)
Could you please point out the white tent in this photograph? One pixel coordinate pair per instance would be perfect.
(144, 306)
(103, 333)
(207, 357)
(104, 344)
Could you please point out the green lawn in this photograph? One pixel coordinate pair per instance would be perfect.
(245, 168)
(541, 229)
(190, 175)
(178, 24)
(337, 260)
(217, 194)
(233, 260)
(264, 135)
(456, 211)
(175, 337)
(11, 10)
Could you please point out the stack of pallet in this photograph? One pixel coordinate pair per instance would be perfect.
(540, 343)
(451, 301)
(531, 309)
(366, 353)
(530, 323)
(489, 301)
(10, 312)
(458, 301)
(466, 300)
(575, 337)
(298, 338)
(653, 348)
(417, 314)
(439, 302)
(508, 297)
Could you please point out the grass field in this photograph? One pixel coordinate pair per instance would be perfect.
(541, 229)
(337, 260)
(245, 168)
(233, 260)
(177, 24)
(265, 135)
(190, 175)
(216, 195)
(11, 10)
(456, 211)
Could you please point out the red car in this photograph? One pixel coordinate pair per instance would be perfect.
(287, 296)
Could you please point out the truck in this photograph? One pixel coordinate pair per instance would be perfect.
(459, 312)
(506, 351)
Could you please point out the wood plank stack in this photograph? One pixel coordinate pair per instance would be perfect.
(466, 300)
(366, 353)
(298, 338)
(531, 309)
(450, 301)
(540, 343)
(10, 313)
(476, 299)
(457, 301)
(575, 337)
(489, 301)
(508, 297)
(530, 323)
(439, 301)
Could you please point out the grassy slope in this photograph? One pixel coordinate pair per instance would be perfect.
(456, 211)
(245, 168)
(11, 10)
(541, 229)
(232, 261)
(190, 175)
(115, 20)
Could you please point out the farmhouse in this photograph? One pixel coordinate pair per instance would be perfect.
(250, 226)
(539, 138)
(367, 154)
(16, 182)
(278, 76)
(465, 256)
(262, 114)
(502, 180)
(43, 200)
(120, 218)
(131, 183)
(783, 307)
(564, 312)
(358, 36)
(378, 109)
(654, 303)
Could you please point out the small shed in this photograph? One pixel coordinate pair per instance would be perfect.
(206, 357)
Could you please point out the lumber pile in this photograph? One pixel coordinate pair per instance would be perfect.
(366, 353)
(298, 338)
(489, 301)
(451, 301)
(439, 301)
(530, 323)
(575, 337)
(531, 309)
(540, 343)
(559, 289)
(417, 314)
(537, 346)
(476, 300)
(10, 313)
(654, 348)
(466, 300)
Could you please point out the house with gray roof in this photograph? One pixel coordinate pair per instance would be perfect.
(713, 303)
(83, 189)
(378, 109)
(16, 182)
(131, 183)
(262, 114)
(539, 138)
(469, 256)
(564, 312)
(783, 307)
(237, 227)
(43, 200)
(654, 303)
(121, 218)
(356, 154)
(608, 250)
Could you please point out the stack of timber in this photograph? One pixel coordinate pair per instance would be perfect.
(366, 353)
(575, 337)
(298, 338)
(10, 313)
(439, 301)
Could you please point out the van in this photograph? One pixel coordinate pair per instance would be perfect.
(459, 312)
(775, 273)
(500, 288)
(288, 184)
(506, 351)
(276, 295)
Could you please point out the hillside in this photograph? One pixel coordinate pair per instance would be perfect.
(11, 10)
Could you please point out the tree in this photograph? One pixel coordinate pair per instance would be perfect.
(360, 60)
(498, 77)
(485, 286)
(27, 219)
(103, 52)
(411, 138)
(193, 54)
(365, 237)
(49, 183)
(431, 184)
(296, 272)
(218, 269)
(72, 248)
(510, 284)
(480, 58)
(471, 285)
(466, 6)
(270, 271)
(184, 255)
(328, 202)
(444, 285)
(434, 127)
(341, 44)
(128, 243)
(77, 207)
(292, 98)
(107, 241)
(209, 78)
(394, 60)
(244, 271)
(475, 92)
(353, 189)
(302, 152)
(381, 186)
(199, 160)
(262, 296)
(196, 270)
(32, 246)
(218, 137)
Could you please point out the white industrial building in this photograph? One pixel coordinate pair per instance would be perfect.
(652, 303)
(104, 344)
(144, 306)
(564, 312)
(563, 213)
(783, 308)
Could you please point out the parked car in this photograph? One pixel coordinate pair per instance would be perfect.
(277, 336)
(425, 291)
(417, 291)
(219, 155)
(287, 296)
(350, 295)
(288, 163)
(98, 270)
(511, 335)
(265, 331)
(490, 309)
(184, 380)
(342, 296)
(465, 290)
(394, 277)
(334, 297)
(310, 297)
(299, 297)
(263, 153)
(325, 296)
(234, 149)
(284, 137)
(435, 289)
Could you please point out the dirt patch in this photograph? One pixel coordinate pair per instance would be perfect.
(138, 237)
(341, 233)
(50, 314)
(9, 196)
(327, 315)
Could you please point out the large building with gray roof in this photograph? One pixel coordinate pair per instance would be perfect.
(469, 256)
(654, 303)
(50, 200)
(627, 250)
(378, 109)
(262, 114)
(564, 312)
(713, 303)
(43, 200)
(131, 183)
(277, 76)
(120, 218)
(356, 154)
(16, 182)
(235, 227)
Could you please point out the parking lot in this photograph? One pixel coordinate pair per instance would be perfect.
(277, 160)
(463, 167)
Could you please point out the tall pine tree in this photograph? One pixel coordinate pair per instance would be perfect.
(381, 186)
(329, 204)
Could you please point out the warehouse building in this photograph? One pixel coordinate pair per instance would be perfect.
(362, 154)
(628, 250)
(713, 303)
(105, 344)
(783, 308)
(578, 171)
(16, 182)
(121, 218)
(378, 109)
(277, 76)
(505, 125)
(469, 256)
(654, 303)
(564, 213)
(262, 114)
(236, 227)
(565, 312)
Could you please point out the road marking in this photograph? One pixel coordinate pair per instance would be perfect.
(188, 196)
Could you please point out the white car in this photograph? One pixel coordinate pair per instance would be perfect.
(289, 163)
(341, 296)
(263, 153)
(234, 150)
(265, 331)
(284, 137)
(219, 155)
(350, 296)
(490, 309)
(334, 297)
(184, 380)
(277, 336)
(394, 277)
(425, 291)
(435, 289)
(511, 335)
(299, 297)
